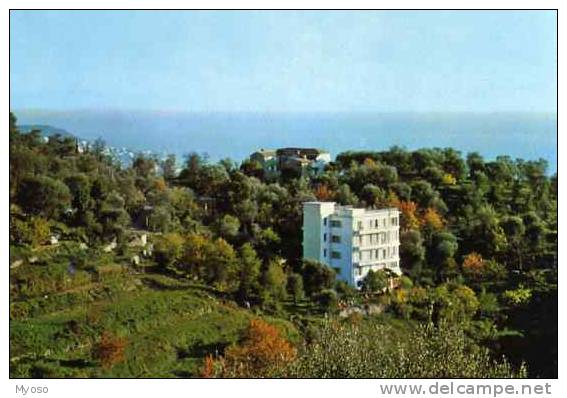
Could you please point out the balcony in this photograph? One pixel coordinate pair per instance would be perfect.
(377, 245)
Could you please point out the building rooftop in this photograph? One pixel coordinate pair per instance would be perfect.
(352, 209)
(266, 152)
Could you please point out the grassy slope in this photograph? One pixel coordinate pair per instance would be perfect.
(170, 325)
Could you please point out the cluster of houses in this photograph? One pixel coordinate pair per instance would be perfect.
(304, 161)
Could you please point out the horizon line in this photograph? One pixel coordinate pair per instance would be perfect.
(180, 111)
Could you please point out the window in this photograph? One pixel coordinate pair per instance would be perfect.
(336, 239)
(376, 253)
(384, 222)
(336, 255)
(359, 224)
(376, 223)
(336, 224)
(325, 221)
(394, 221)
(324, 252)
(324, 237)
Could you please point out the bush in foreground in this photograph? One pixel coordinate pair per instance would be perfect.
(374, 351)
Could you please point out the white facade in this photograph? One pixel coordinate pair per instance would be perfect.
(320, 162)
(351, 241)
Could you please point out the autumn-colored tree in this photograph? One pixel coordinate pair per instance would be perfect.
(448, 179)
(210, 367)
(392, 199)
(160, 184)
(110, 349)
(432, 219)
(473, 265)
(368, 162)
(323, 193)
(262, 351)
(409, 218)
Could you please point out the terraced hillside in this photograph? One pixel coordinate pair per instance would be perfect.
(165, 325)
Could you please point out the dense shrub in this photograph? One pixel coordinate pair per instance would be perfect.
(374, 351)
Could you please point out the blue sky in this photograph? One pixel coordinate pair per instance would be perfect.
(382, 61)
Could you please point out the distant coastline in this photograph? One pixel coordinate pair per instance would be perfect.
(222, 134)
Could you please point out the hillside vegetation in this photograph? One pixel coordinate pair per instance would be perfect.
(142, 272)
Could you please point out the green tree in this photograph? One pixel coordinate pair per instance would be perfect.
(249, 273)
(221, 265)
(345, 196)
(161, 219)
(373, 195)
(35, 231)
(327, 299)
(316, 277)
(295, 287)
(113, 217)
(80, 188)
(168, 249)
(168, 167)
(412, 253)
(228, 226)
(483, 233)
(442, 252)
(376, 281)
(514, 229)
(42, 195)
(454, 303)
(144, 166)
(252, 168)
(517, 297)
(268, 243)
(275, 280)
(195, 253)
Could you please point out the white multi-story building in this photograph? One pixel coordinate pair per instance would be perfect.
(351, 241)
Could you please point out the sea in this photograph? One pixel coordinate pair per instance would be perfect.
(529, 136)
